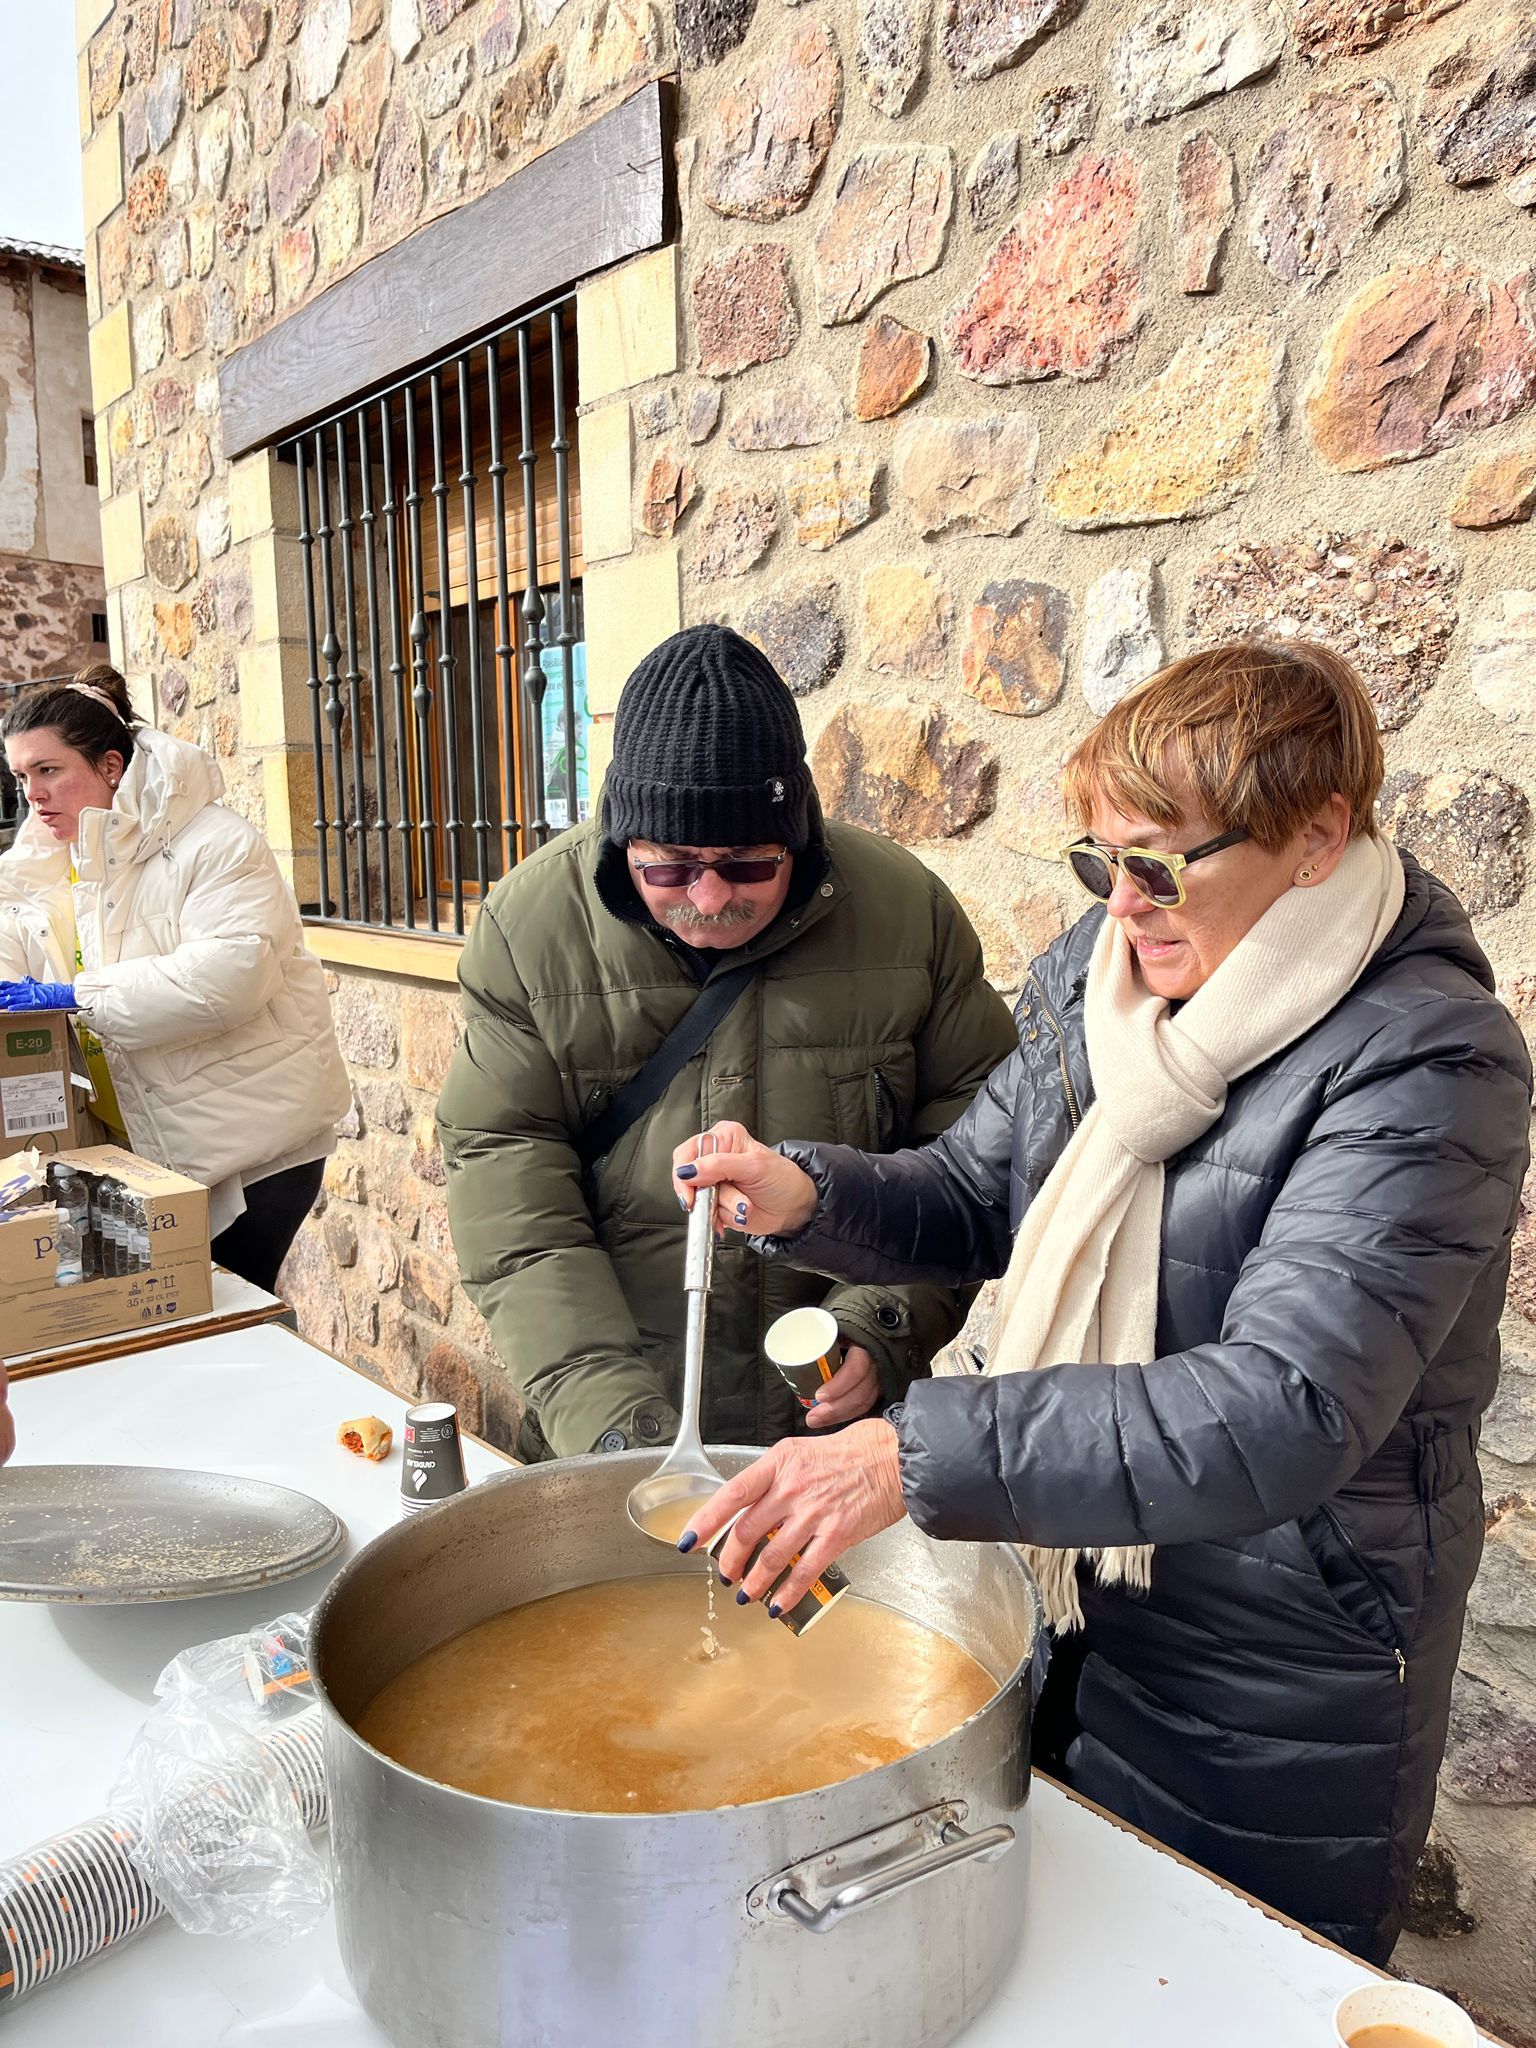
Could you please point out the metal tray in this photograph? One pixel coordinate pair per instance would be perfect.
(117, 1535)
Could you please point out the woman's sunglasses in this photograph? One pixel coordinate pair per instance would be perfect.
(1158, 877)
(682, 874)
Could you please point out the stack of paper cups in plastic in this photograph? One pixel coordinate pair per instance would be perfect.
(79, 1894)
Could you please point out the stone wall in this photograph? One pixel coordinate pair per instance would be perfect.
(1007, 349)
(45, 617)
(1053, 341)
(374, 1270)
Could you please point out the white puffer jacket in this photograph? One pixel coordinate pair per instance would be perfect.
(215, 1019)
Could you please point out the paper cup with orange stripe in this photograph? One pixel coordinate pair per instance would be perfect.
(828, 1588)
(804, 1346)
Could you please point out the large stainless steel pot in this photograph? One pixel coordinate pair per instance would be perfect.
(880, 1912)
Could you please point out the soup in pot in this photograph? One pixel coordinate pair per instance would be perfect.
(612, 1699)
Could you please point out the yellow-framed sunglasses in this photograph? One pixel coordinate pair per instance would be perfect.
(1157, 877)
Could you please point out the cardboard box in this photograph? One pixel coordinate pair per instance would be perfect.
(41, 1073)
(178, 1281)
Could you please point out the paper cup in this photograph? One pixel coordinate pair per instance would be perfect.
(820, 1596)
(432, 1467)
(804, 1346)
(1387, 2003)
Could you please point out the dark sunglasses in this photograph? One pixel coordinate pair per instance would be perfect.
(682, 874)
(1158, 877)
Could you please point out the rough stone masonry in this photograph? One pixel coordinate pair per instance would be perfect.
(1025, 343)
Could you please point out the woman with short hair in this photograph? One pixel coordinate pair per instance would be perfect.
(135, 898)
(1250, 1182)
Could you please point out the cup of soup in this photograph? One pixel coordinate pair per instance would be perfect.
(1386, 2014)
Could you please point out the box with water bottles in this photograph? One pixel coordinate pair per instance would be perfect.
(100, 1242)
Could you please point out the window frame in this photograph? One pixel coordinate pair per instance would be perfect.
(390, 462)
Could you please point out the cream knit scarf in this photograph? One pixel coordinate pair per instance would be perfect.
(1082, 1281)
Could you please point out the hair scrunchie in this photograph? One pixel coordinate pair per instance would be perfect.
(100, 697)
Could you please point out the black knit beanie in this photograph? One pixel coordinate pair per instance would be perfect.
(708, 749)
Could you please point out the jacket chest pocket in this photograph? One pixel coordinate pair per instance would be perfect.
(867, 1110)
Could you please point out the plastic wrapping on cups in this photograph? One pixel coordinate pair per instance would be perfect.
(69, 1900)
(222, 1784)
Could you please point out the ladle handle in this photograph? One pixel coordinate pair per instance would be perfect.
(698, 1270)
(699, 1264)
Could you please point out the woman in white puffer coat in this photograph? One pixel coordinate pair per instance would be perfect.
(135, 897)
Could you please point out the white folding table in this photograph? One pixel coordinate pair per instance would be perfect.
(1125, 1945)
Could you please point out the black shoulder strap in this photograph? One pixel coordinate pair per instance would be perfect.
(712, 1005)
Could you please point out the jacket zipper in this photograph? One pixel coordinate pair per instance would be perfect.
(1061, 1050)
(1380, 1591)
(885, 1100)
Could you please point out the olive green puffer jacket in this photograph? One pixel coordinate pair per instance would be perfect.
(871, 1024)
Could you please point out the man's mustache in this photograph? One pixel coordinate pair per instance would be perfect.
(684, 918)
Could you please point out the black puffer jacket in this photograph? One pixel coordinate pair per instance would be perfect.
(1302, 1450)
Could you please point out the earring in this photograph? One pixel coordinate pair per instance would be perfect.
(1304, 875)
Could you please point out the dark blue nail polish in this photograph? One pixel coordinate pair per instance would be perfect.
(686, 1172)
(741, 1596)
(724, 1580)
(682, 1205)
(687, 1542)
(774, 1610)
(741, 1212)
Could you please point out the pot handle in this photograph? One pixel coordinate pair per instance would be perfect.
(955, 1845)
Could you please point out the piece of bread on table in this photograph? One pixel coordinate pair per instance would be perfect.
(367, 1436)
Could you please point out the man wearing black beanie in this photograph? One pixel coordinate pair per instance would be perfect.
(707, 948)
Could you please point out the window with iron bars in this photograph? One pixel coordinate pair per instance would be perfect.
(440, 535)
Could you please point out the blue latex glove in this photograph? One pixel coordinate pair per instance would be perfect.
(28, 994)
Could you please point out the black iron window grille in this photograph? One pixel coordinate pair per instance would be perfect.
(440, 535)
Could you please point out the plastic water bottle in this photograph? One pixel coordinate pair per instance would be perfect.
(122, 1232)
(80, 1214)
(109, 1196)
(100, 1237)
(70, 1270)
(136, 1219)
(68, 1191)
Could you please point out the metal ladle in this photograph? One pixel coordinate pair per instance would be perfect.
(685, 1475)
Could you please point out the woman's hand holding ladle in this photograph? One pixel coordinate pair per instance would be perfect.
(760, 1192)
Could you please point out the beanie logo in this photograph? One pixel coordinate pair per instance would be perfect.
(775, 790)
